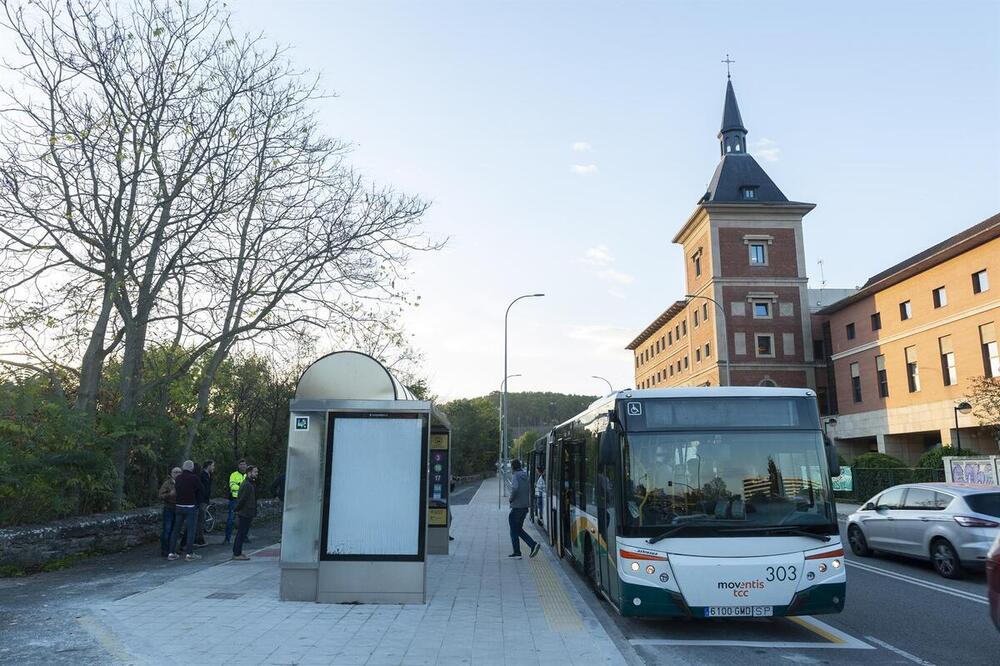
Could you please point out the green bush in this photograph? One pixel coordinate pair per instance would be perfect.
(873, 460)
(933, 459)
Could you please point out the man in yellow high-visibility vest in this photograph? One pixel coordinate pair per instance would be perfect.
(235, 479)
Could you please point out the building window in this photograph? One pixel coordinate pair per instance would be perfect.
(704, 311)
(637, 361)
(912, 369)
(850, 331)
(880, 374)
(819, 350)
(684, 327)
(748, 192)
(697, 355)
(761, 309)
(876, 321)
(948, 372)
(991, 357)
(940, 297)
(765, 344)
(677, 332)
(671, 369)
(678, 365)
(980, 282)
(856, 382)
(696, 317)
(758, 254)
(697, 264)
(685, 362)
(905, 311)
(708, 349)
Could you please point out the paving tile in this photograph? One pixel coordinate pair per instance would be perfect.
(482, 609)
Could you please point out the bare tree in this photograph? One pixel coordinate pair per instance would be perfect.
(166, 184)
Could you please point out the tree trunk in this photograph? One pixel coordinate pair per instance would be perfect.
(93, 359)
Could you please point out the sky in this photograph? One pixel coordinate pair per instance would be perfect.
(563, 144)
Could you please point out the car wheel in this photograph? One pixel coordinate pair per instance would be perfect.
(859, 545)
(945, 559)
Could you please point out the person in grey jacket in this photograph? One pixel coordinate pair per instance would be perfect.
(520, 496)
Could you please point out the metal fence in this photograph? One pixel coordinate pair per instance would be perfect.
(869, 482)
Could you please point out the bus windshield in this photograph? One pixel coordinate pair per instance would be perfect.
(718, 481)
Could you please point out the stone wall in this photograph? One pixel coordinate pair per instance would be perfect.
(32, 546)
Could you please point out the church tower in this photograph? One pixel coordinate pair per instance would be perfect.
(744, 318)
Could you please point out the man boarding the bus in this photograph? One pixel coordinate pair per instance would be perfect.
(520, 496)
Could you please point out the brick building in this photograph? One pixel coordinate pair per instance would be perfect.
(891, 361)
(745, 317)
(906, 346)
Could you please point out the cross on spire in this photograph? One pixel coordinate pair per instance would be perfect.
(728, 63)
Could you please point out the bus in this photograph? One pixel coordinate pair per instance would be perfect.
(699, 502)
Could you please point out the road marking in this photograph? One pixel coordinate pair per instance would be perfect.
(968, 596)
(902, 653)
(815, 627)
(837, 639)
(781, 645)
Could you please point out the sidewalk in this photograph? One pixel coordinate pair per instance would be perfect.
(482, 609)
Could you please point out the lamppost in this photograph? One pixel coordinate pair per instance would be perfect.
(503, 416)
(500, 466)
(722, 322)
(965, 408)
(611, 389)
(828, 421)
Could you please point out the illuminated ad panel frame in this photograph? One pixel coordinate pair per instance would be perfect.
(375, 487)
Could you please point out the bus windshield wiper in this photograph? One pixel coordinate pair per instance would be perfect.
(790, 530)
(676, 529)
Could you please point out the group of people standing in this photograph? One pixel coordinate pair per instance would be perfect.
(186, 495)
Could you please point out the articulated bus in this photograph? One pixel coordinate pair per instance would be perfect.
(699, 502)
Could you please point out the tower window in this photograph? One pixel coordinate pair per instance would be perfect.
(758, 254)
(737, 146)
(980, 282)
(940, 297)
(748, 191)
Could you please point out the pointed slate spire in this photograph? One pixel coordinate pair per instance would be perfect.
(733, 135)
(731, 119)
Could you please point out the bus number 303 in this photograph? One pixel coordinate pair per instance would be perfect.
(781, 573)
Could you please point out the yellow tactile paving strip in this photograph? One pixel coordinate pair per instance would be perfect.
(560, 614)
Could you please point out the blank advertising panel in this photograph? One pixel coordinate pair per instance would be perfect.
(375, 492)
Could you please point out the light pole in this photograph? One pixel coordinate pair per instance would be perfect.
(722, 322)
(500, 468)
(965, 408)
(611, 389)
(503, 416)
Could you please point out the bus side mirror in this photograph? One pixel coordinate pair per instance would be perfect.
(608, 454)
(832, 459)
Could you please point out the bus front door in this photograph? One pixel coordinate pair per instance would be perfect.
(604, 539)
(566, 493)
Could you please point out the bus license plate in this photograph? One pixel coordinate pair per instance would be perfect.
(739, 611)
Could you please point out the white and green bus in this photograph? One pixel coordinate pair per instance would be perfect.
(699, 502)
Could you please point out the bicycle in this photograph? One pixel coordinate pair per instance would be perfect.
(209, 517)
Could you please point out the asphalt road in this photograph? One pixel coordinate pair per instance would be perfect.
(898, 611)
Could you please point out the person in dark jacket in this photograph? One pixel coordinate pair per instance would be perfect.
(188, 487)
(520, 498)
(168, 495)
(278, 488)
(207, 470)
(246, 511)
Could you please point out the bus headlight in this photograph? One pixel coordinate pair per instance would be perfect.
(635, 566)
(650, 569)
(822, 568)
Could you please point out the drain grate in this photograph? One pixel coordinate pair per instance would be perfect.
(225, 595)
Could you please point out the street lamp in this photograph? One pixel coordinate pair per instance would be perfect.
(722, 321)
(501, 471)
(829, 422)
(965, 408)
(503, 415)
(611, 389)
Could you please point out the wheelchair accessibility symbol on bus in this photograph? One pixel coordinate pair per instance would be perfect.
(634, 409)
